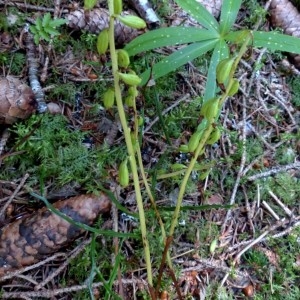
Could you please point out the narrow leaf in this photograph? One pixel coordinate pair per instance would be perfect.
(57, 22)
(167, 37)
(221, 51)
(276, 41)
(43, 34)
(229, 11)
(177, 59)
(52, 31)
(199, 13)
(238, 37)
(33, 29)
(46, 19)
(38, 24)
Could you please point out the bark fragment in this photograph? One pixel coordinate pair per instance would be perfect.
(28, 240)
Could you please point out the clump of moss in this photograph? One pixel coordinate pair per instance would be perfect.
(48, 149)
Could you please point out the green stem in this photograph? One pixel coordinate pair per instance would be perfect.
(205, 136)
(242, 51)
(150, 195)
(130, 147)
(187, 174)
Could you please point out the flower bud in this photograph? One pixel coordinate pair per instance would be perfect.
(133, 21)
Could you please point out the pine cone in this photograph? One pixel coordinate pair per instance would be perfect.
(96, 20)
(16, 100)
(28, 240)
(285, 15)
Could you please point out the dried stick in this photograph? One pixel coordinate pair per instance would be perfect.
(279, 99)
(29, 6)
(11, 198)
(254, 242)
(284, 207)
(37, 265)
(242, 166)
(164, 112)
(76, 251)
(271, 211)
(296, 223)
(295, 165)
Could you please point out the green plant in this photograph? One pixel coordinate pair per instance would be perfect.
(221, 84)
(45, 28)
(213, 37)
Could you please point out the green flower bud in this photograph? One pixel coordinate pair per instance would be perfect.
(130, 79)
(124, 174)
(132, 21)
(223, 69)
(123, 58)
(102, 41)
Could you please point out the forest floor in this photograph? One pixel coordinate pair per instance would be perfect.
(248, 249)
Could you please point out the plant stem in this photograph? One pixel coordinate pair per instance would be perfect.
(206, 135)
(130, 147)
(187, 174)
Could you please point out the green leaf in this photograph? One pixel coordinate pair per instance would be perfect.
(51, 31)
(36, 39)
(177, 59)
(46, 19)
(238, 37)
(44, 35)
(229, 11)
(33, 29)
(200, 13)
(221, 51)
(38, 24)
(276, 41)
(168, 36)
(57, 22)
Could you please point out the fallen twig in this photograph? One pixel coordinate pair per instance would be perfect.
(295, 165)
(2, 212)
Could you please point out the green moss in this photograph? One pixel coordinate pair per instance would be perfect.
(51, 150)
(294, 83)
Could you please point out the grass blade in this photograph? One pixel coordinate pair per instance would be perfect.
(221, 51)
(167, 37)
(177, 59)
(229, 11)
(199, 13)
